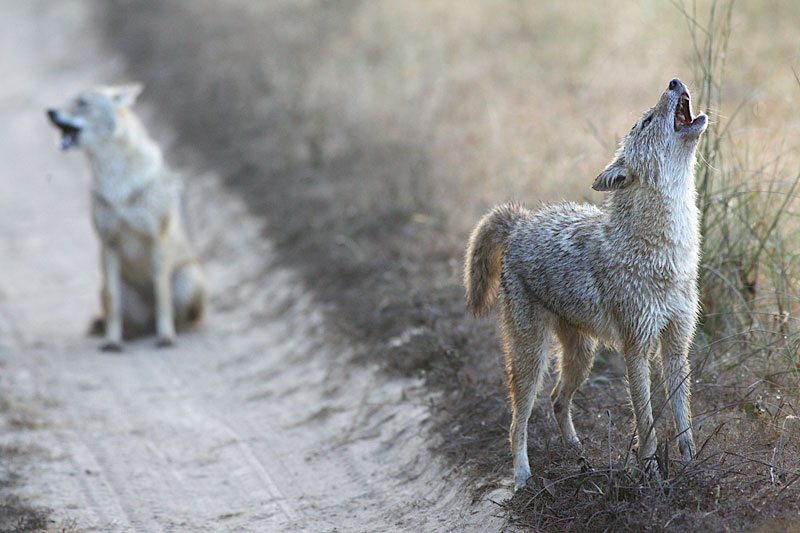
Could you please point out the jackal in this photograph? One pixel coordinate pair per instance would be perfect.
(625, 275)
(147, 260)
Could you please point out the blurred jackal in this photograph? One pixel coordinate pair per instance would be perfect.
(625, 275)
(150, 271)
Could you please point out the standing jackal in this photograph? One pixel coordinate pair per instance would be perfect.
(150, 271)
(625, 275)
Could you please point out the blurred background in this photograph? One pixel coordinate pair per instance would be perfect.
(373, 135)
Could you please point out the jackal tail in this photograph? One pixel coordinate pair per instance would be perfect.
(484, 256)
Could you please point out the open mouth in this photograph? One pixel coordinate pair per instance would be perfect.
(69, 136)
(69, 130)
(683, 112)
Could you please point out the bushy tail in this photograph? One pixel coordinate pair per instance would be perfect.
(484, 256)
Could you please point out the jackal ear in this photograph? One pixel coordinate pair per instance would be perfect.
(614, 177)
(125, 95)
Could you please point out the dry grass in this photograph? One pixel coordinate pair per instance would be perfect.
(371, 136)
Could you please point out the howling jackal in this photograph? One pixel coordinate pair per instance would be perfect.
(625, 275)
(147, 260)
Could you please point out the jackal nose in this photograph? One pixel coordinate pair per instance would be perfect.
(52, 114)
(676, 85)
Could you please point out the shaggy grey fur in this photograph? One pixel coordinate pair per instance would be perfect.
(625, 275)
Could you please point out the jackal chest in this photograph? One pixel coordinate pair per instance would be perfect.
(649, 301)
(144, 211)
(130, 232)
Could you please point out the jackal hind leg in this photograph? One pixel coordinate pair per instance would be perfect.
(526, 343)
(575, 363)
(188, 294)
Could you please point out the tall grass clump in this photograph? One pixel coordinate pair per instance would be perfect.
(748, 183)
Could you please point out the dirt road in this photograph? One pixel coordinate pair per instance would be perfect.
(254, 422)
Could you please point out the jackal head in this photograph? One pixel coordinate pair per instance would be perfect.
(93, 116)
(660, 146)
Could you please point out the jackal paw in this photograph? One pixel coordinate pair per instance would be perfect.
(521, 480)
(573, 445)
(651, 469)
(687, 450)
(111, 346)
(585, 465)
(165, 342)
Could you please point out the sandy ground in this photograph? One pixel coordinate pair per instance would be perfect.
(254, 422)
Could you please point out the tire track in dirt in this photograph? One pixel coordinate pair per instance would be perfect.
(254, 422)
(98, 495)
(170, 385)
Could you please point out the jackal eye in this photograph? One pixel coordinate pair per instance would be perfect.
(82, 103)
(646, 121)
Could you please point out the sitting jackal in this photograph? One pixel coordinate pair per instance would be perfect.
(151, 275)
(625, 275)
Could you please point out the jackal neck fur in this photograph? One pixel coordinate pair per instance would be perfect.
(126, 162)
(656, 224)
